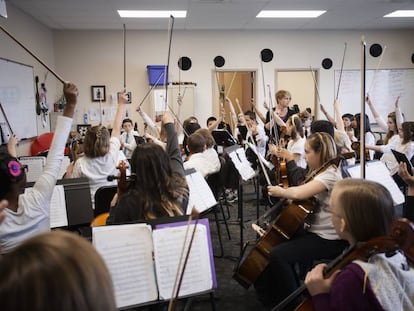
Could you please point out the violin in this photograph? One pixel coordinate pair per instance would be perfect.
(356, 145)
(287, 223)
(401, 239)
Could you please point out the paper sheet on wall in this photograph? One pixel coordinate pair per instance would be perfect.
(377, 171)
(35, 166)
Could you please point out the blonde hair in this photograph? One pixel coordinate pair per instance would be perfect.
(281, 94)
(56, 270)
(323, 144)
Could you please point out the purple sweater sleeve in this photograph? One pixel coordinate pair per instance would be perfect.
(347, 293)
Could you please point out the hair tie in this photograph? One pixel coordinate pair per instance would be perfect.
(14, 167)
(99, 132)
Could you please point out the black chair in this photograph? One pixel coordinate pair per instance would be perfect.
(217, 187)
(103, 198)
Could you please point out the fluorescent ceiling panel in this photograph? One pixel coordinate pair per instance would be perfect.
(289, 14)
(401, 13)
(151, 14)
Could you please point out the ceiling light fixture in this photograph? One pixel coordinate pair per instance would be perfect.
(151, 14)
(401, 13)
(289, 14)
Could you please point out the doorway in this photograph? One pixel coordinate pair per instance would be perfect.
(235, 85)
(300, 83)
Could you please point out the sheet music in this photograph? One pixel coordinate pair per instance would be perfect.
(377, 171)
(241, 163)
(63, 168)
(58, 215)
(35, 167)
(201, 196)
(127, 251)
(167, 249)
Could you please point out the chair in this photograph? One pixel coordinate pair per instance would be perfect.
(100, 220)
(103, 198)
(215, 182)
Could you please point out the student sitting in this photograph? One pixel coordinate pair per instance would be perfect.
(102, 153)
(362, 210)
(55, 271)
(203, 157)
(28, 213)
(159, 188)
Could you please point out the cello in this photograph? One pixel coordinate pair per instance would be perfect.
(402, 238)
(286, 224)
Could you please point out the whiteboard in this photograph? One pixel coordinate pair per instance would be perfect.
(383, 86)
(17, 96)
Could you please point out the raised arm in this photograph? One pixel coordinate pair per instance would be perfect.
(122, 100)
(338, 117)
(398, 114)
(380, 121)
(258, 112)
(327, 115)
(11, 146)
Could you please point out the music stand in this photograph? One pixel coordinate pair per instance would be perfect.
(223, 138)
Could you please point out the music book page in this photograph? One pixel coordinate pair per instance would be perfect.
(377, 171)
(238, 157)
(143, 263)
(201, 196)
(167, 248)
(127, 251)
(58, 215)
(35, 167)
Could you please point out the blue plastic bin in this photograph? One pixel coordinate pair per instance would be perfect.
(157, 73)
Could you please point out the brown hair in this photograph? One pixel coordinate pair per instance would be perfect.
(408, 132)
(196, 143)
(55, 271)
(96, 143)
(393, 117)
(207, 136)
(366, 206)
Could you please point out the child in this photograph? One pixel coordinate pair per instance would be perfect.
(128, 143)
(362, 210)
(28, 213)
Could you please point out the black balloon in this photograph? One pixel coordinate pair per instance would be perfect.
(219, 61)
(266, 55)
(375, 50)
(327, 63)
(184, 63)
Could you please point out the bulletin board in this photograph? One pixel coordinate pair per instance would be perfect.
(17, 96)
(383, 86)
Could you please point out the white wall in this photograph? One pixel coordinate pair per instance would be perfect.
(39, 40)
(96, 57)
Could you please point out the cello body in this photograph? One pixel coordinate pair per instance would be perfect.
(287, 223)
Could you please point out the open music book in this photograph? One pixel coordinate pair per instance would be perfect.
(377, 171)
(143, 262)
(201, 197)
(243, 166)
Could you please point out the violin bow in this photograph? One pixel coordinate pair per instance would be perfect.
(362, 115)
(315, 83)
(124, 37)
(376, 70)
(340, 74)
(171, 28)
(180, 272)
(5, 118)
(32, 54)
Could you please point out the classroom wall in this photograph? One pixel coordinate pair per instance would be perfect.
(96, 58)
(39, 40)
